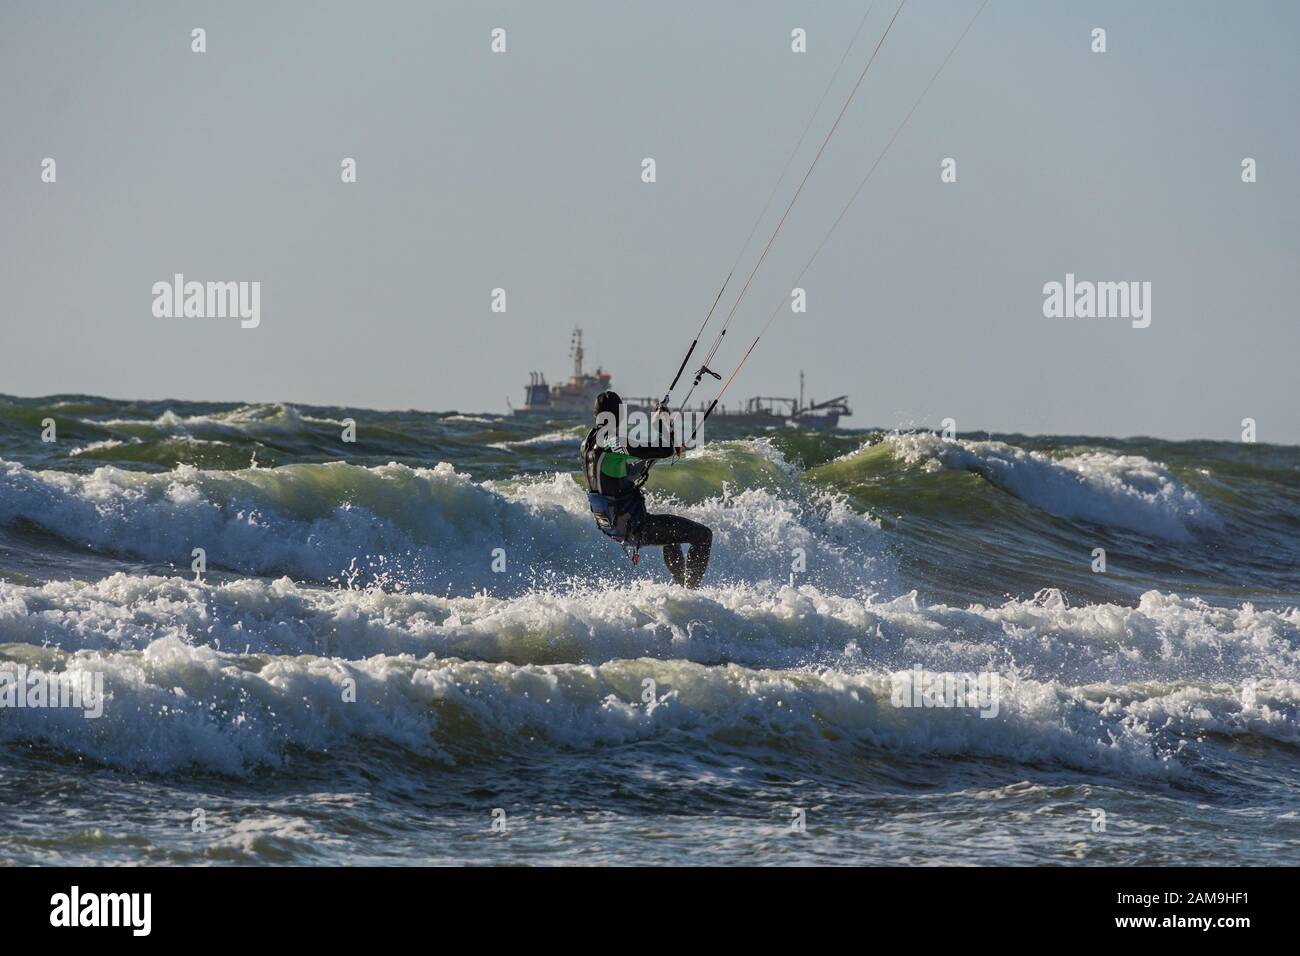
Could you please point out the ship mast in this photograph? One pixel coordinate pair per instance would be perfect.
(575, 349)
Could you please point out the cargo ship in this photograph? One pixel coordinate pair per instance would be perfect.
(574, 400)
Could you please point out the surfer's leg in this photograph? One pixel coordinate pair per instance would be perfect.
(671, 531)
(661, 530)
(697, 561)
(675, 562)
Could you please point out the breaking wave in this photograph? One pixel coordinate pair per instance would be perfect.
(430, 528)
(1121, 491)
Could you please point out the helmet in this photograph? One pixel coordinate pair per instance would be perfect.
(607, 402)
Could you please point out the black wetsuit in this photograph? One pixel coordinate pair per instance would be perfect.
(620, 507)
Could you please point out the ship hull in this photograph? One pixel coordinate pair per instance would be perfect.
(820, 422)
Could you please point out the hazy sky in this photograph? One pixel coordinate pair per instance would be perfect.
(522, 170)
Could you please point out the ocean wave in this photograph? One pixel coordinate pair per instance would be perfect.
(560, 437)
(274, 419)
(173, 705)
(430, 528)
(205, 453)
(1164, 638)
(96, 447)
(1123, 491)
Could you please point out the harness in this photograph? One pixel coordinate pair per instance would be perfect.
(617, 516)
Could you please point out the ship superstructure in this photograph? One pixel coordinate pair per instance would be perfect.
(571, 399)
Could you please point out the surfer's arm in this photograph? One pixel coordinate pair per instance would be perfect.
(663, 448)
(648, 452)
(632, 449)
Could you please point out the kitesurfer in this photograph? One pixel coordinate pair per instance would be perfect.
(615, 468)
